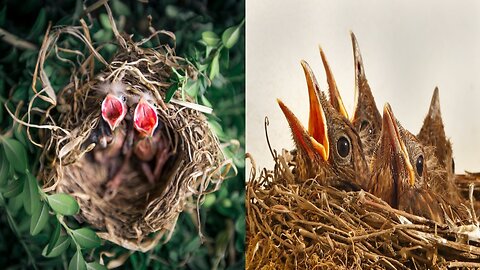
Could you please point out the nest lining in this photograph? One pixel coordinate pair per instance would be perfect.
(300, 224)
(140, 213)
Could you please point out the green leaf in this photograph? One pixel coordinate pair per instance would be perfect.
(210, 38)
(95, 266)
(39, 25)
(4, 169)
(216, 128)
(86, 238)
(105, 21)
(14, 188)
(240, 224)
(77, 262)
(20, 134)
(3, 15)
(120, 8)
(63, 204)
(59, 248)
(205, 101)
(31, 199)
(193, 244)
(230, 36)
(192, 87)
(214, 67)
(209, 200)
(171, 92)
(39, 219)
(171, 11)
(53, 238)
(16, 154)
(102, 35)
(14, 204)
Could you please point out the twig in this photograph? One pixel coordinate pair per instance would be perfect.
(16, 41)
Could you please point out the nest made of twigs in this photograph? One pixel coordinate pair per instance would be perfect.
(140, 213)
(300, 224)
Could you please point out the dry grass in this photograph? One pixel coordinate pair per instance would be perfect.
(300, 224)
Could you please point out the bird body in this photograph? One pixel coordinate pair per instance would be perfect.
(400, 175)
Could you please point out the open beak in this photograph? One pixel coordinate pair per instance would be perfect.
(335, 98)
(113, 110)
(391, 134)
(145, 119)
(315, 140)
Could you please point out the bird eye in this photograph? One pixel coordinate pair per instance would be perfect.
(343, 146)
(419, 165)
(453, 165)
(124, 98)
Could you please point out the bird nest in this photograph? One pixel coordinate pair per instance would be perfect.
(300, 224)
(139, 213)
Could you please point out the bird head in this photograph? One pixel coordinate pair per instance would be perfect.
(330, 141)
(145, 118)
(433, 133)
(399, 156)
(366, 118)
(114, 109)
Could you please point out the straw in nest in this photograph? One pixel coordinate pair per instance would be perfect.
(140, 213)
(301, 224)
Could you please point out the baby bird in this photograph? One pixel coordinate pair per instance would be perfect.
(114, 106)
(432, 134)
(366, 118)
(149, 145)
(400, 176)
(330, 150)
(113, 112)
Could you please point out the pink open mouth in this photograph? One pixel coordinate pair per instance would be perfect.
(145, 118)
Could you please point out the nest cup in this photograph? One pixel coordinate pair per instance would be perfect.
(140, 213)
(297, 223)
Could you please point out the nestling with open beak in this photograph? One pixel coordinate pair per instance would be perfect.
(113, 111)
(366, 118)
(400, 176)
(330, 150)
(114, 105)
(150, 144)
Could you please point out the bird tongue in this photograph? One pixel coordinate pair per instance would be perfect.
(113, 111)
(145, 118)
(390, 132)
